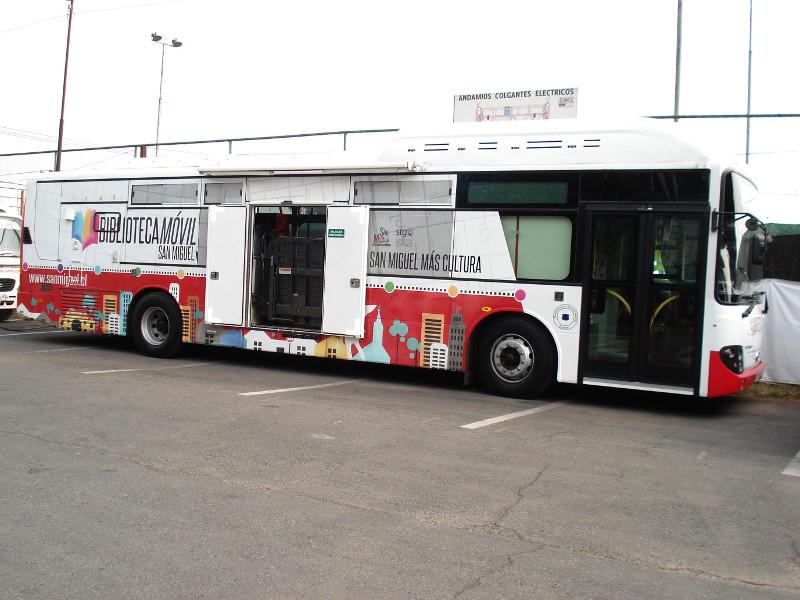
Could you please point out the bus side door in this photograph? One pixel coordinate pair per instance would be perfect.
(343, 302)
(227, 232)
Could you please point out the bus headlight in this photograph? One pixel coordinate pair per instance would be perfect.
(732, 357)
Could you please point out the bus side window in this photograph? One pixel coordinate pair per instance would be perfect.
(164, 193)
(540, 246)
(415, 190)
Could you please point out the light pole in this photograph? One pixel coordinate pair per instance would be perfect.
(678, 61)
(749, 84)
(175, 44)
(64, 93)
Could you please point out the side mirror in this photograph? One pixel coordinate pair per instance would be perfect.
(752, 224)
(758, 249)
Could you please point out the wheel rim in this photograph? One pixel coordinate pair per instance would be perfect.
(512, 358)
(155, 325)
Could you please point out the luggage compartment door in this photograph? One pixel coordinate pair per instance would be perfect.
(227, 233)
(346, 235)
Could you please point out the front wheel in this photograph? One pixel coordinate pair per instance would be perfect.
(156, 326)
(516, 358)
(5, 313)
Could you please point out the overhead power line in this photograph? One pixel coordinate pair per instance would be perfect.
(113, 8)
(23, 26)
(35, 135)
(88, 12)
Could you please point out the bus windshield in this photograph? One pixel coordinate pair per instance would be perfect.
(9, 237)
(740, 252)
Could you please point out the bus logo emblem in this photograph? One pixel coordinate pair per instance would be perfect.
(565, 316)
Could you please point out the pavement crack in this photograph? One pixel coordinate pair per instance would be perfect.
(47, 441)
(495, 528)
(520, 496)
(509, 533)
(507, 563)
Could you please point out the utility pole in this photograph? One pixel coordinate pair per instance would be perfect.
(678, 62)
(64, 91)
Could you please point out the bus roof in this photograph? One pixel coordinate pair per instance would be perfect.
(511, 145)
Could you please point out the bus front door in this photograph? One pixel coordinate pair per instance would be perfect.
(643, 287)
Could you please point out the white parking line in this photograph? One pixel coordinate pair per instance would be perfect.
(32, 333)
(55, 350)
(142, 369)
(509, 416)
(794, 467)
(297, 389)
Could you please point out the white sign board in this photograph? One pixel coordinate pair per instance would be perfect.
(516, 105)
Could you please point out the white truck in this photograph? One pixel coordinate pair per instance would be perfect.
(10, 236)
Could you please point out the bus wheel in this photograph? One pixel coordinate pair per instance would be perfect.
(156, 325)
(516, 358)
(5, 314)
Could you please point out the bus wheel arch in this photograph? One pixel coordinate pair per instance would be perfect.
(513, 354)
(155, 323)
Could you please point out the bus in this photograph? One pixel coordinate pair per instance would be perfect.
(519, 254)
(10, 233)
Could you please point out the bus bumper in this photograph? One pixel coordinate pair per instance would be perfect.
(722, 381)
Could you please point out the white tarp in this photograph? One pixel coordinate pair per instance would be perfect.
(781, 331)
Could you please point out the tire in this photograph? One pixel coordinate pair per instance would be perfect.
(516, 358)
(5, 313)
(156, 326)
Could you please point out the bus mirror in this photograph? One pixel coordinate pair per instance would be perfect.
(752, 224)
(758, 248)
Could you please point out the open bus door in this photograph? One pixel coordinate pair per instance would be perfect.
(225, 265)
(343, 305)
(308, 268)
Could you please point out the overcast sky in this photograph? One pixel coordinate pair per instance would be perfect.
(260, 68)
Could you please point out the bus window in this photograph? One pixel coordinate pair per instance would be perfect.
(417, 190)
(645, 186)
(223, 193)
(539, 246)
(164, 193)
(516, 189)
(734, 271)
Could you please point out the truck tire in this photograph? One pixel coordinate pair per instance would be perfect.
(516, 358)
(156, 326)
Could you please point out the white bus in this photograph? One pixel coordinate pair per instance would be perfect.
(520, 253)
(10, 232)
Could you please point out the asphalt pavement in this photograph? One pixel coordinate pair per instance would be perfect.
(230, 474)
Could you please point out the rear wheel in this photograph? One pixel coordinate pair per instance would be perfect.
(5, 313)
(516, 358)
(156, 325)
